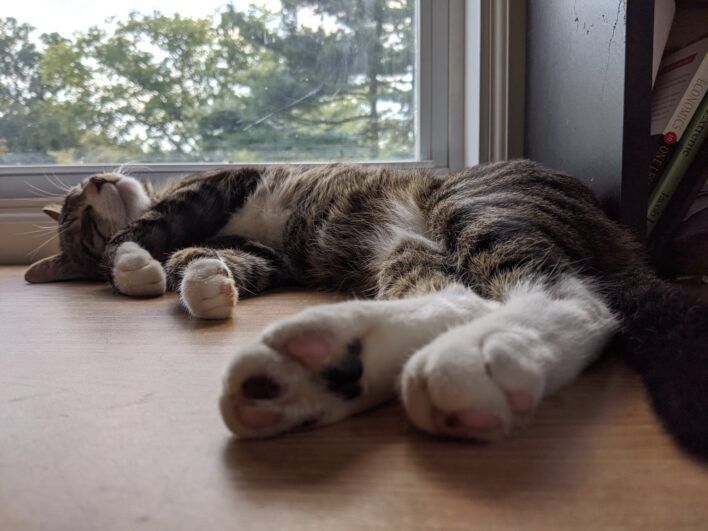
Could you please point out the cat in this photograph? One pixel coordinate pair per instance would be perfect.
(479, 293)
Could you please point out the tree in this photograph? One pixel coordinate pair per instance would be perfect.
(27, 129)
(244, 85)
(358, 90)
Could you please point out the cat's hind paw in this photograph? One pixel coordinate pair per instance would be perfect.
(312, 369)
(208, 290)
(136, 273)
(474, 384)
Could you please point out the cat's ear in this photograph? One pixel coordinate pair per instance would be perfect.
(53, 211)
(52, 269)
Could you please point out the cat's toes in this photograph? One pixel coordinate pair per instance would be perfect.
(477, 386)
(137, 273)
(208, 290)
(258, 387)
(318, 336)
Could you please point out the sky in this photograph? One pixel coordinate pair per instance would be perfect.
(67, 16)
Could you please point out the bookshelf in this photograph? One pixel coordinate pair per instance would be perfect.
(588, 83)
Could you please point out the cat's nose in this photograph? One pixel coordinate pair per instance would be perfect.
(97, 182)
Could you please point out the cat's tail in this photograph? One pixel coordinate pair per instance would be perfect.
(665, 338)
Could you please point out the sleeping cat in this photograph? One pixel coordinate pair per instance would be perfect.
(480, 293)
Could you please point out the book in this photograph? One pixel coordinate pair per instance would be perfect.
(690, 145)
(681, 83)
(677, 211)
(689, 248)
(668, 245)
(700, 203)
(688, 252)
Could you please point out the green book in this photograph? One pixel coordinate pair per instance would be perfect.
(693, 138)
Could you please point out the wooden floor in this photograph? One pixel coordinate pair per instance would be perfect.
(109, 420)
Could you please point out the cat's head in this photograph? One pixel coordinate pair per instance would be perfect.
(90, 215)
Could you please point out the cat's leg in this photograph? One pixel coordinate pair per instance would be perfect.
(211, 278)
(135, 272)
(481, 379)
(331, 361)
(193, 212)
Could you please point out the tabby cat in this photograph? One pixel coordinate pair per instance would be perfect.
(479, 293)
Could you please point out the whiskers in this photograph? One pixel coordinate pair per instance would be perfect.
(61, 188)
(128, 168)
(51, 232)
(40, 192)
(40, 230)
(56, 192)
(36, 250)
(61, 185)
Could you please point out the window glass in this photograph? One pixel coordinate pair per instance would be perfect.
(85, 82)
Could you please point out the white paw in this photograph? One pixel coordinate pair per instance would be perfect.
(475, 381)
(313, 369)
(136, 272)
(208, 290)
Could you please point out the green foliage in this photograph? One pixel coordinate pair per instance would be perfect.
(244, 85)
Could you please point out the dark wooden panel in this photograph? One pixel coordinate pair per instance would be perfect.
(587, 100)
(660, 243)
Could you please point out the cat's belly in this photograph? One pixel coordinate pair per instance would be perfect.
(259, 223)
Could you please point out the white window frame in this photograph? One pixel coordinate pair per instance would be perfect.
(470, 109)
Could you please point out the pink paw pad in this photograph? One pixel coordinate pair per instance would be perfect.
(311, 348)
(226, 289)
(479, 420)
(255, 418)
(520, 401)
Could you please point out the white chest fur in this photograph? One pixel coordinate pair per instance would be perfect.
(261, 219)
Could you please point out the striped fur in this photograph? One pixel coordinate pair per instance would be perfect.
(351, 228)
(388, 234)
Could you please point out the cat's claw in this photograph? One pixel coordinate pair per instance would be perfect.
(474, 384)
(137, 273)
(208, 290)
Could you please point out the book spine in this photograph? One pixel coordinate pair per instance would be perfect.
(695, 136)
(665, 145)
(688, 104)
(663, 151)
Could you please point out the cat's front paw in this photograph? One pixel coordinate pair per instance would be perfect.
(208, 290)
(137, 273)
(474, 383)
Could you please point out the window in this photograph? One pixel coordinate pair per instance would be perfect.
(174, 87)
(192, 82)
(170, 86)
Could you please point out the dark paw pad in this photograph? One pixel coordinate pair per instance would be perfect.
(344, 377)
(260, 387)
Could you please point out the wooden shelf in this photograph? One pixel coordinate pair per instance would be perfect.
(113, 430)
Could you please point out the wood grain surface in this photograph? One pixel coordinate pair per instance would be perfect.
(108, 420)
